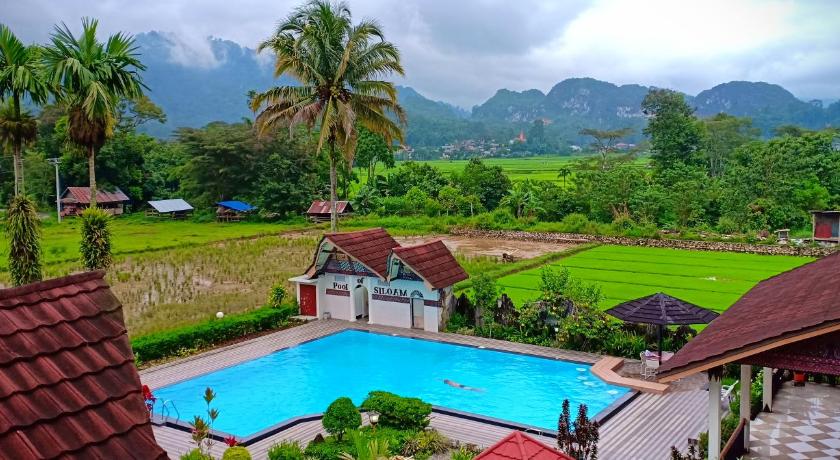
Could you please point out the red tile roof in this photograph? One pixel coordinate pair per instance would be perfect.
(82, 195)
(68, 385)
(370, 247)
(520, 446)
(323, 207)
(433, 262)
(781, 307)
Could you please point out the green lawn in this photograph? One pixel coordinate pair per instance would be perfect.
(137, 233)
(714, 280)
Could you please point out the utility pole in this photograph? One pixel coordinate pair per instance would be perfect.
(55, 162)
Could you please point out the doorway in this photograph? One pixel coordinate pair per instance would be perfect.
(360, 302)
(417, 308)
(308, 299)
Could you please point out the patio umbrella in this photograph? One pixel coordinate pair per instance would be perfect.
(662, 310)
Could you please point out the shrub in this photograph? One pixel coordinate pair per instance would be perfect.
(169, 343)
(96, 239)
(329, 449)
(426, 442)
(341, 416)
(286, 450)
(24, 231)
(397, 411)
(467, 452)
(236, 453)
(195, 454)
(276, 296)
(578, 439)
(575, 223)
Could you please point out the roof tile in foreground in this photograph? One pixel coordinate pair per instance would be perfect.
(433, 262)
(785, 305)
(68, 385)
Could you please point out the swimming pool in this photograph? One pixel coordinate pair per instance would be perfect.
(305, 379)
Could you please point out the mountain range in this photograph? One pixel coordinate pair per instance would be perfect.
(194, 95)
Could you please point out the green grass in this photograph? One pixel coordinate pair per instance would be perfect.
(136, 233)
(518, 169)
(714, 280)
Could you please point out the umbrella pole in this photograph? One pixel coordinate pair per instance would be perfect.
(660, 344)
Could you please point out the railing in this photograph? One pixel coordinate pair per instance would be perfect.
(734, 448)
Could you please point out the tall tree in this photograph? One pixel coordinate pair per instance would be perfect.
(372, 149)
(91, 78)
(672, 127)
(721, 135)
(604, 140)
(340, 67)
(21, 77)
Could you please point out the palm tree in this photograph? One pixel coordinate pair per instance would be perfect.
(563, 172)
(90, 78)
(21, 77)
(340, 68)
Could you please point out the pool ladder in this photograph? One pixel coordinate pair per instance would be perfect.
(164, 412)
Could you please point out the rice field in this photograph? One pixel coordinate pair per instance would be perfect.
(713, 280)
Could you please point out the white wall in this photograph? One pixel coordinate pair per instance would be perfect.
(339, 307)
(398, 314)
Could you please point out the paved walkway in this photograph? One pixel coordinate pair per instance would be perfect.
(804, 424)
(645, 429)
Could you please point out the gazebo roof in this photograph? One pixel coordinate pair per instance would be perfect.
(520, 446)
(662, 309)
(785, 313)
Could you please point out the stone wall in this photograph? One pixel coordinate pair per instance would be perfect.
(772, 249)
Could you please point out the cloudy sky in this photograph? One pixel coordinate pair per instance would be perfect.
(462, 51)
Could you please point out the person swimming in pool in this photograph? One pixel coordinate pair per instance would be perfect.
(460, 386)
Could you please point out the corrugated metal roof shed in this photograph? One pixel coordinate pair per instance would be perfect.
(324, 207)
(240, 206)
(82, 195)
(174, 205)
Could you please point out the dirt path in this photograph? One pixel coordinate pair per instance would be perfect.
(490, 246)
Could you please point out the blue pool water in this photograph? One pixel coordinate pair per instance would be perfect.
(305, 379)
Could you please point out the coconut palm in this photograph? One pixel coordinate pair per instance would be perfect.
(340, 67)
(21, 77)
(90, 78)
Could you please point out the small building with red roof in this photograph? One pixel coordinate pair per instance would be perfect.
(520, 446)
(319, 210)
(368, 276)
(74, 200)
(68, 385)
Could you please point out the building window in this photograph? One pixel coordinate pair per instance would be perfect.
(340, 278)
(380, 282)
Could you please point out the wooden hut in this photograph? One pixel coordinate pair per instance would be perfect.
(232, 211)
(319, 211)
(74, 200)
(826, 226)
(174, 209)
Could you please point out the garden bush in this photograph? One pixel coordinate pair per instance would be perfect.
(397, 411)
(286, 450)
(195, 454)
(236, 453)
(328, 449)
(96, 239)
(170, 343)
(426, 443)
(276, 296)
(341, 416)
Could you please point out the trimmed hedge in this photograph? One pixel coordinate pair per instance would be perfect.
(398, 411)
(176, 341)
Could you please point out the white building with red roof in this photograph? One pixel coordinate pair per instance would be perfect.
(367, 276)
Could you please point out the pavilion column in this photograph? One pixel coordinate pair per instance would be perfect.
(767, 389)
(746, 383)
(714, 413)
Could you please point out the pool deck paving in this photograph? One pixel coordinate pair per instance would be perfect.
(645, 428)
